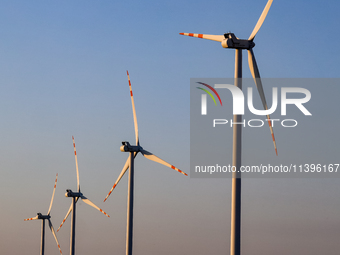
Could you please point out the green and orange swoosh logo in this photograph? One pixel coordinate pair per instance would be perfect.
(209, 93)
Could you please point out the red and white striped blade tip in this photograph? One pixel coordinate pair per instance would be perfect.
(114, 185)
(153, 157)
(217, 38)
(87, 201)
(67, 214)
(125, 167)
(34, 218)
(55, 185)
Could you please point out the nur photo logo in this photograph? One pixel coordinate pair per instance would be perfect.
(294, 96)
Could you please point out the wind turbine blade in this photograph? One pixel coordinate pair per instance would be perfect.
(126, 166)
(261, 19)
(133, 110)
(75, 155)
(53, 232)
(67, 214)
(256, 75)
(34, 218)
(217, 38)
(55, 185)
(87, 201)
(153, 157)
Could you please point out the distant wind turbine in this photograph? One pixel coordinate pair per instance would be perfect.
(126, 147)
(75, 196)
(46, 217)
(229, 40)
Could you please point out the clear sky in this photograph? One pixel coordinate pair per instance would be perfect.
(63, 72)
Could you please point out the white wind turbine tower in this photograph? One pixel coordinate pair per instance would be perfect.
(75, 196)
(46, 217)
(126, 147)
(229, 40)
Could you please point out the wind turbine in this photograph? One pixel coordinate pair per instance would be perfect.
(229, 40)
(75, 196)
(126, 147)
(46, 217)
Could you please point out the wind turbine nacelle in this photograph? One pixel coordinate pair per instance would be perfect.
(126, 147)
(70, 193)
(43, 217)
(227, 43)
(231, 41)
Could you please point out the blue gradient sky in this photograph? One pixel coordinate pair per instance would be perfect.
(63, 72)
